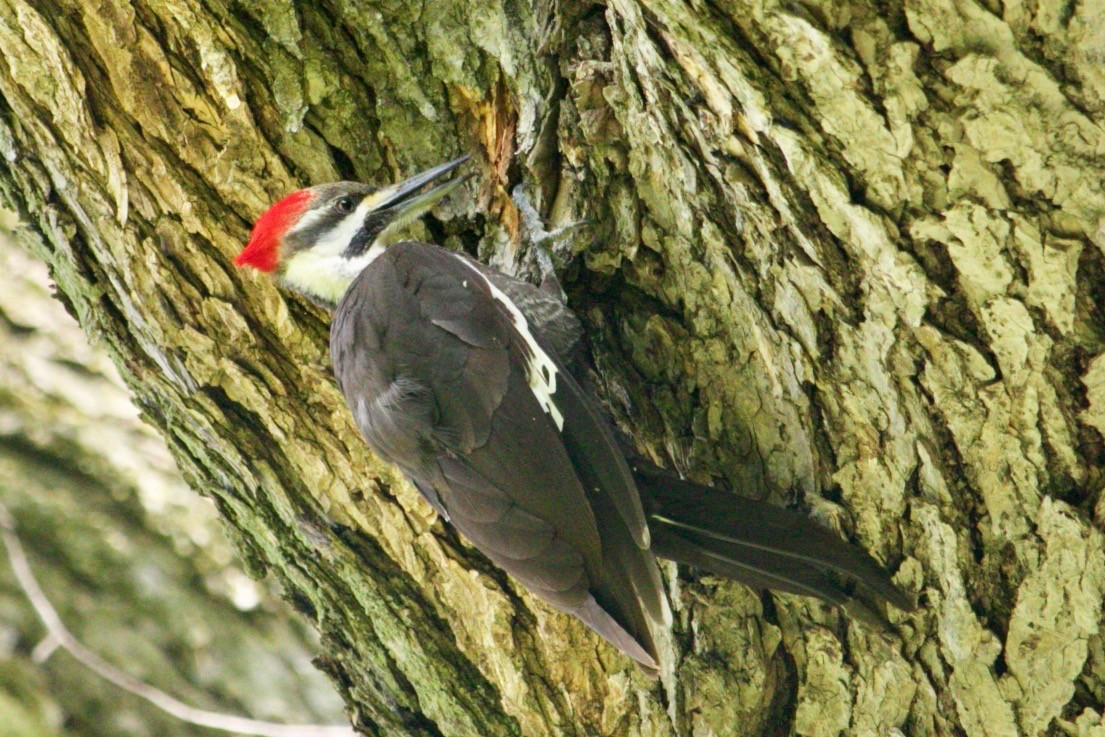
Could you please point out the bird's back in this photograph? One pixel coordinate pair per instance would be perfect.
(438, 376)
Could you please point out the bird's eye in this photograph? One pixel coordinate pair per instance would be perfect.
(345, 204)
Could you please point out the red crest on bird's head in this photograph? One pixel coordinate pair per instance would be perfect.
(263, 250)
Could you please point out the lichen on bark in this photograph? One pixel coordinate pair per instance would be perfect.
(131, 560)
(848, 254)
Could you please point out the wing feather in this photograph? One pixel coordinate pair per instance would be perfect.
(585, 432)
(438, 380)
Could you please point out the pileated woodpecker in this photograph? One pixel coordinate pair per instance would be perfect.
(475, 384)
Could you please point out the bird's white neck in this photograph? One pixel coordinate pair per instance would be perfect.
(323, 275)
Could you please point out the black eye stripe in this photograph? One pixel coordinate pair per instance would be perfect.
(366, 235)
(345, 204)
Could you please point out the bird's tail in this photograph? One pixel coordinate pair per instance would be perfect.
(761, 545)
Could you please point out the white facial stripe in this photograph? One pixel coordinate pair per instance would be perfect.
(378, 196)
(340, 236)
(541, 370)
(326, 275)
(308, 219)
(322, 270)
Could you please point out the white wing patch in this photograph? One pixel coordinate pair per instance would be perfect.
(540, 371)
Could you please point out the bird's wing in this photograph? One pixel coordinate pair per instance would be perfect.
(436, 371)
(554, 324)
(583, 427)
(429, 493)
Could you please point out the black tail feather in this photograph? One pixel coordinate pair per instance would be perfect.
(760, 544)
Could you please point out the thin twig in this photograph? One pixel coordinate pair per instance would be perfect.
(60, 637)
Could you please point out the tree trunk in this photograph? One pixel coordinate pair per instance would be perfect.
(852, 251)
(125, 553)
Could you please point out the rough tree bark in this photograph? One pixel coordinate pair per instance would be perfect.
(850, 249)
(129, 557)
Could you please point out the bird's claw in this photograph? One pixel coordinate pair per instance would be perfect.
(539, 241)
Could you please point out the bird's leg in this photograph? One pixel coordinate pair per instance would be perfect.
(540, 242)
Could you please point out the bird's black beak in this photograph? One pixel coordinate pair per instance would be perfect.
(407, 200)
